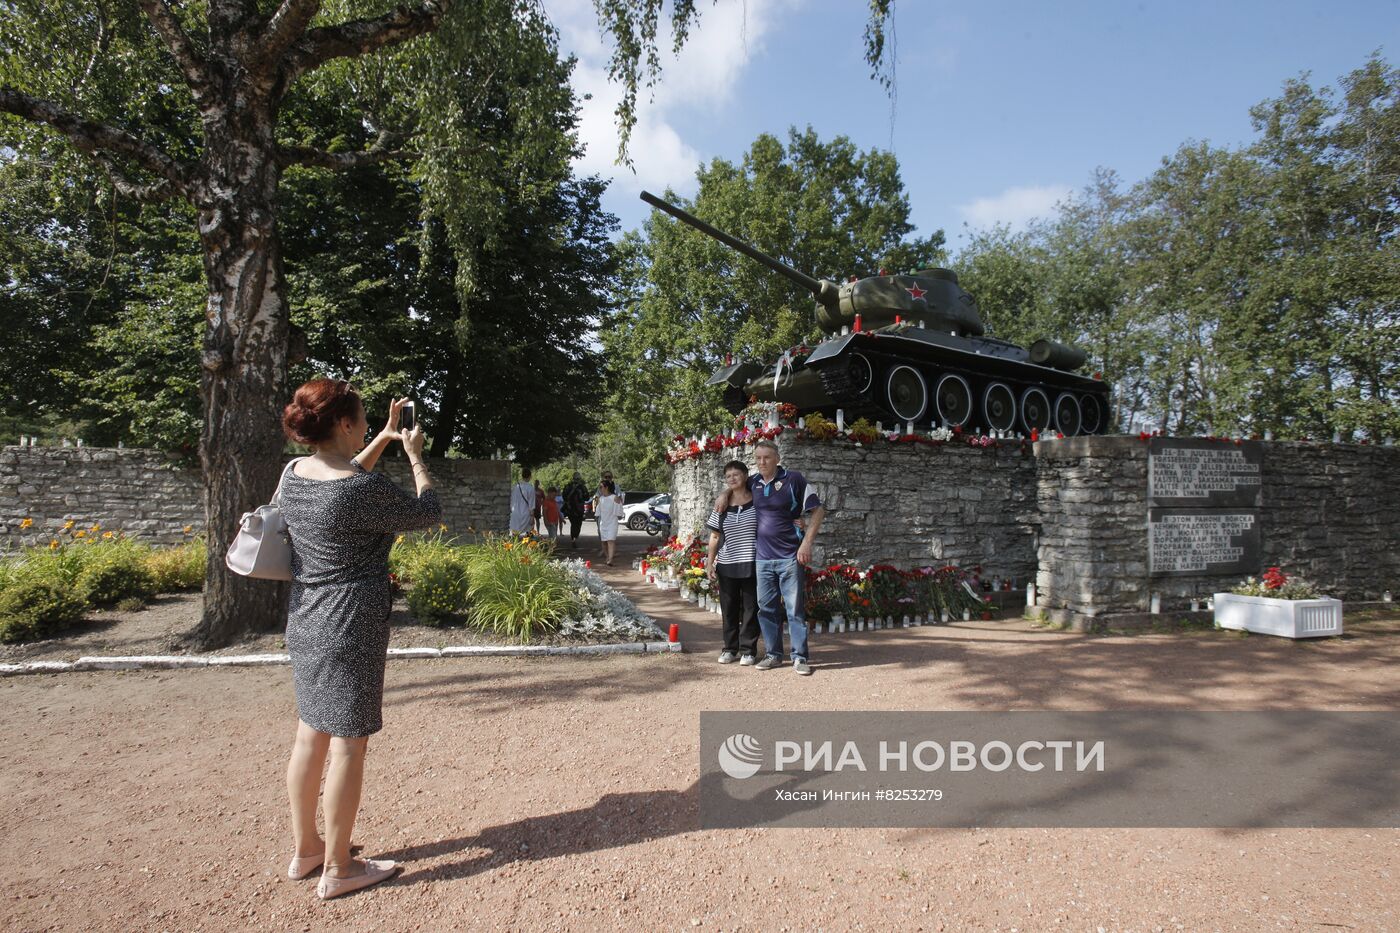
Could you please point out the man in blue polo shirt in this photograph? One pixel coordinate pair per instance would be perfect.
(780, 497)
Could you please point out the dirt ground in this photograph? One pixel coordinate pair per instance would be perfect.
(559, 794)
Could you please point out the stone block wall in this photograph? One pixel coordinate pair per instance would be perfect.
(906, 504)
(1091, 513)
(1072, 514)
(150, 494)
(1330, 512)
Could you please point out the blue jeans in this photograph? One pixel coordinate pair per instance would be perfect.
(781, 579)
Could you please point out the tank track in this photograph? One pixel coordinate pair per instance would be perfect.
(846, 395)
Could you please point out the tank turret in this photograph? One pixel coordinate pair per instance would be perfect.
(912, 348)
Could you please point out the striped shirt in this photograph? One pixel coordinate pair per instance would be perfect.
(738, 528)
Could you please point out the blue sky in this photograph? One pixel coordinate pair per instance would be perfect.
(1001, 108)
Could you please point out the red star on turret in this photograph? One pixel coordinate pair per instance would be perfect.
(916, 293)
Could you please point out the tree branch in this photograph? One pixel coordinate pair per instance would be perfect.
(168, 27)
(360, 37)
(152, 193)
(92, 137)
(341, 161)
(336, 161)
(287, 25)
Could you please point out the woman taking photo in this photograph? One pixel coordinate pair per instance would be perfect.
(733, 526)
(342, 519)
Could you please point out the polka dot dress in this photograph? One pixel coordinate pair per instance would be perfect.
(338, 616)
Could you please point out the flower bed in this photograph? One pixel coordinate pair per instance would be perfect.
(839, 597)
(603, 611)
(1279, 604)
(46, 589)
(512, 587)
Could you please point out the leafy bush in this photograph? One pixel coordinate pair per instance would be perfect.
(412, 554)
(178, 568)
(116, 572)
(439, 590)
(862, 431)
(515, 590)
(819, 428)
(60, 566)
(31, 609)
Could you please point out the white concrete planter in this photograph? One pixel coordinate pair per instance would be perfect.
(1291, 618)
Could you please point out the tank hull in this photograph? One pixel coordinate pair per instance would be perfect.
(932, 379)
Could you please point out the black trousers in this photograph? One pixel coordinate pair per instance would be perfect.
(738, 603)
(575, 526)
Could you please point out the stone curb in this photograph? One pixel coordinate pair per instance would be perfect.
(173, 662)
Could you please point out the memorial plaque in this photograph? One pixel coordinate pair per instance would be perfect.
(1203, 541)
(1190, 473)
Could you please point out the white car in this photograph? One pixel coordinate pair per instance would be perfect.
(635, 516)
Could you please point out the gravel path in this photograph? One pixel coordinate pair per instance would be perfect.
(560, 794)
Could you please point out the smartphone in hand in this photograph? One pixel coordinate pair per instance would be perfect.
(406, 417)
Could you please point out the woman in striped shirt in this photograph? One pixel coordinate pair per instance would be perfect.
(733, 525)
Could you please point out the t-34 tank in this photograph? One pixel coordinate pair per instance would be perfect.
(911, 348)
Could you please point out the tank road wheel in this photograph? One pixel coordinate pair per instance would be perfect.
(953, 400)
(1068, 418)
(1091, 410)
(999, 407)
(1035, 410)
(907, 392)
(860, 372)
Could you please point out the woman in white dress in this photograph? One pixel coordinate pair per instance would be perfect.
(609, 512)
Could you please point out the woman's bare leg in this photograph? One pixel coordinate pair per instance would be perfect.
(342, 803)
(304, 786)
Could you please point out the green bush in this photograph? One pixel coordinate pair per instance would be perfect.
(115, 573)
(31, 609)
(515, 590)
(411, 554)
(59, 566)
(439, 590)
(178, 568)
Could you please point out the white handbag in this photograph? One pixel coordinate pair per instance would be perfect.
(262, 549)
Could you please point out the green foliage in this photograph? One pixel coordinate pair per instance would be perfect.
(433, 567)
(503, 257)
(178, 568)
(505, 585)
(439, 591)
(1232, 291)
(108, 564)
(34, 608)
(411, 554)
(116, 572)
(824, 208)
(515, 590)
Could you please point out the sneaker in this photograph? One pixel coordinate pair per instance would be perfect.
(727, 657)
(801, 666)
(768, 663)
(747, 660)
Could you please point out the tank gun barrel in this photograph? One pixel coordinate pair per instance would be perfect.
(823, 291)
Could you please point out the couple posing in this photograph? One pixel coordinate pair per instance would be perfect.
(758, 548)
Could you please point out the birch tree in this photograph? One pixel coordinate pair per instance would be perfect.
(183, 101)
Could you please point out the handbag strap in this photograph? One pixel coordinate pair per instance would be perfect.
(277, 496)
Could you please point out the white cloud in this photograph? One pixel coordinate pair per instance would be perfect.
(1015, 207)
(695, 85)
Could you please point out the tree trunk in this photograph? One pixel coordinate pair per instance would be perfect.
(244, 362)
(451, 411)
